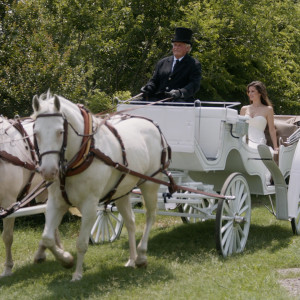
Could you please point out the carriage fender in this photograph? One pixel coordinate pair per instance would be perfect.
(294, 184)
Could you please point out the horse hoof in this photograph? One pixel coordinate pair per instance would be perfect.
(142, 264)
(6, 274)
(68, 265)
(40, 260)
(68, 261)
(130, 263)
(76, 277)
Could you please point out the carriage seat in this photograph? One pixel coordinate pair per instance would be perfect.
(285, 127)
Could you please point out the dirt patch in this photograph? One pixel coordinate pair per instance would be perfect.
(292, 285)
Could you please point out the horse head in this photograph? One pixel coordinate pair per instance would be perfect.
(49, 128)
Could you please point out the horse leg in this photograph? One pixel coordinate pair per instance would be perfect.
(89, 215)
(150, 198)
(125, 209)
(7, 236)
(40, 255)
(54, 214)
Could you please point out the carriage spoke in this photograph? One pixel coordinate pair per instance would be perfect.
(104, 229)
(227, 240)
(99, 228)
(228, 224)
(240, 230)
(227, 236)
(227, 208)
(95, 225)
(112, 229)
(245, 208)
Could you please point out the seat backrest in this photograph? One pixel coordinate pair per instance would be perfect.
(285, 126)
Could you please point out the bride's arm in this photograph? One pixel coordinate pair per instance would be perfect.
(243, 111)
(272, 130)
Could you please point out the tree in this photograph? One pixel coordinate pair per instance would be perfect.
(240, 41)
(87, 50)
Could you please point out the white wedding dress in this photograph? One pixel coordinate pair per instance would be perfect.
(256, 131)
(256, 136)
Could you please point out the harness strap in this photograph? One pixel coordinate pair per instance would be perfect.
(116, 134)
(108, 197)
(26, 188)
(166, 148)
(83, 160)
(31, 166)
(17, 205)
(173, 187)
(16, 161)
(18, 125)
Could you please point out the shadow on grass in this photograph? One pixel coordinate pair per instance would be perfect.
(106, 278)
(187, 240)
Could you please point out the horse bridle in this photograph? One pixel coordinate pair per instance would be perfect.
(62, 150)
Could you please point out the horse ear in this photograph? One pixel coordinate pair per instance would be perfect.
(48, 94)
(35, 103)
(56, 102)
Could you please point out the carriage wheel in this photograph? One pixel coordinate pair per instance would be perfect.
(295, 222)
(108, 226)
(208, 205)
(233, 216)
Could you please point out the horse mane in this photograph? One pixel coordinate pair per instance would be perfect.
(43, 97)
(46, 95)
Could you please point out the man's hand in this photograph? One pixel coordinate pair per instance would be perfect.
(146, 90)
(175, 94)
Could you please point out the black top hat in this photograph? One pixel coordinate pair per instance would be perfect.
(183, 35)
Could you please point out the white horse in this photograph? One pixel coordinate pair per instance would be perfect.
(14, 177)
(141, 142)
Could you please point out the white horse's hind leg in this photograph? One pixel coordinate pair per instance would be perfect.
(89, 215)
(125, 209)
(149, 192)
(7, 236)
(54, 216)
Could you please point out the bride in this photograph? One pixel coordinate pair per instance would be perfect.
(261, 114)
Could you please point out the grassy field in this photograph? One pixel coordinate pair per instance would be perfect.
(183, 263)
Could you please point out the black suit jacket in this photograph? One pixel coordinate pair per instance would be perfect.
(186, 78)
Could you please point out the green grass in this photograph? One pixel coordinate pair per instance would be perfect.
(183, 263)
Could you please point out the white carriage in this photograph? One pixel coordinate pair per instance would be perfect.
(210, 153)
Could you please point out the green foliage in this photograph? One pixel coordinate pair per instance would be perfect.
(89, 50)
(99, 102)
(239, 41)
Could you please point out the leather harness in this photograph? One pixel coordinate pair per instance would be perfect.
(31, 166)
(87, 152)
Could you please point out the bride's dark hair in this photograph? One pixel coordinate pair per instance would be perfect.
(260, 87)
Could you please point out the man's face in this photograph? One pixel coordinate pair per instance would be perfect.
(180, 49)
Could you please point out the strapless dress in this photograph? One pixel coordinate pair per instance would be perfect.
(256, 136)
(256, 131)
